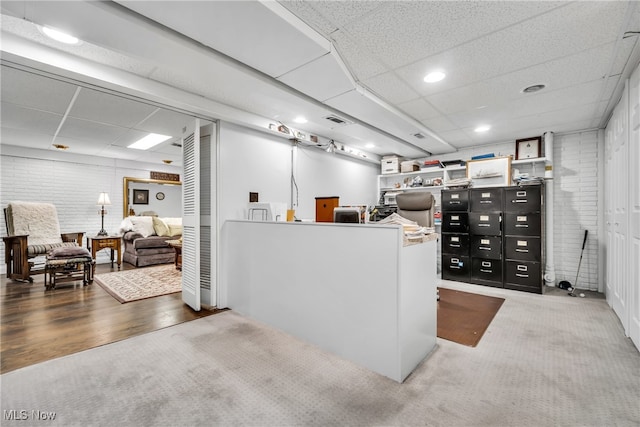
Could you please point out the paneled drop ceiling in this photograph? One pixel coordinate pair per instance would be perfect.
(257, 63)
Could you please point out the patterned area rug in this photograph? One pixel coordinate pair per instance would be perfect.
(141, 283)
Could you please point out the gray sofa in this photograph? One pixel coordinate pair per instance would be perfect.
(142, 251)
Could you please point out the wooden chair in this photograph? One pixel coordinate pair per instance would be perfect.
(33, 230)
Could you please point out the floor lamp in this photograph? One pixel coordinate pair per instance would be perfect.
(103, 200)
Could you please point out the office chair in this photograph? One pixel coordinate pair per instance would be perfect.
(417, 206)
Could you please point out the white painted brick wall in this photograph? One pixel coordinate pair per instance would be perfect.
(576, 178)
(576, 203)
(72, 183)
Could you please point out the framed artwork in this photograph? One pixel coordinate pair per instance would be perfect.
(491, 172)
(140, 197)
(528, 148)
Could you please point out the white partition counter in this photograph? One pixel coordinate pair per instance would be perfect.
(351, 289)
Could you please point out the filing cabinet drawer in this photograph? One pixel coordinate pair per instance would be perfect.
(523, 248)
(487, 270)
(455, 200)
(522, 199)
(455, 244)
(455, 222)
(486, 247)
(486, 200)
(523, 274)
(522, 224)
(455, 267)
(486, 224)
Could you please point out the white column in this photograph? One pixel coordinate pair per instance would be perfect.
(549, 269)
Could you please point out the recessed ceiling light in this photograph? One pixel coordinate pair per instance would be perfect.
(149, 141)
(482, 128)
(370, 145)
(167, 162)
(60, 146)
(300, 119)
(60, 36)
(435, 76)
(534, 88)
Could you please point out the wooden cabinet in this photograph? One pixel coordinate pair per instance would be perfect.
(494, 237)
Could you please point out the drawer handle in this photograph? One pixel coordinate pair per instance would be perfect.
(523, 250)
(526, 276)
(520, 201)
(521, 193)
(454, 246)
(485, 271)
(454, 223)
(485, 201)
(486, 264)
(454, 202)
(484, 248)
(454, 260)
(522, 268)
(522, 225)
(484, 225)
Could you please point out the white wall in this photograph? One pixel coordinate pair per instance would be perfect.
(72, 183)
(577, 172)
(253, 161)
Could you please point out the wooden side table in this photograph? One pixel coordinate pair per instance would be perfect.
(114, 243)
(177, 246)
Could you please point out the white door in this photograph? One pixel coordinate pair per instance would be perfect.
(191, 218)
(618, 182)
(634, 207)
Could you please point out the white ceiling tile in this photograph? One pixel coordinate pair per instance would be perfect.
(439, 124)
(38, 121)
(391, 88)
(166, 122)
(362, 63)
(85, 130)
(109, 109)
(419, 108)
(34, 91)
(26, 138)
(322, 78)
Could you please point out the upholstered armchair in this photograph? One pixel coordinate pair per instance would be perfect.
(417, 206)
(33, 230)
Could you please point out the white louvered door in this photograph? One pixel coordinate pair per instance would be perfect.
(191, 219)
(634, 207)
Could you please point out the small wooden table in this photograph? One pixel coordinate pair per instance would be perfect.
(177, 246)
(114, 243)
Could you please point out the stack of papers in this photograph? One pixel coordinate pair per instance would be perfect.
(411, 228)
(458, 182)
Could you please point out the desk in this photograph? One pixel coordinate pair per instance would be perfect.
(351, 289)
(114, 243)
(177, 246)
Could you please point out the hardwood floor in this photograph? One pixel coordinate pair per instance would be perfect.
(38, 325)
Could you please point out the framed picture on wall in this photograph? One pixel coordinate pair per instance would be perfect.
(491, 172)
(528, 148)
(140, 197)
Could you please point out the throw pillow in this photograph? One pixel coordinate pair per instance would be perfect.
(126, 225)
(175, 230)
(69, 251)
(160, 227)
(143, 225)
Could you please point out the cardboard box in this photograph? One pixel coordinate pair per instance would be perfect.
(390, 164)
(409, 166)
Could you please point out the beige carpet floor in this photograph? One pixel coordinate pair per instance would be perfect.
(141, 283)
(545, 360)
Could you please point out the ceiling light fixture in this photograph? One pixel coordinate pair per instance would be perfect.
(167, 162)
(370, 145)
(60, 146)
(300, 119)
(534, 88)
(434, 76)
(60, 36)
(149, 141)
(482, 128)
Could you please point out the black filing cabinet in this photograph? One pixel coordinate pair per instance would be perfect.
(523, 226)
(494, 236)
(455, 235)
(485, 235)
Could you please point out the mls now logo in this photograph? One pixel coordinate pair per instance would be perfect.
(22, 415)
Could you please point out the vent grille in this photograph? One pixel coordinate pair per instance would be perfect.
(419, 135)
(176, 144)
(338, 120)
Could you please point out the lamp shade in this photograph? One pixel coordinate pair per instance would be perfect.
(103, 199)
